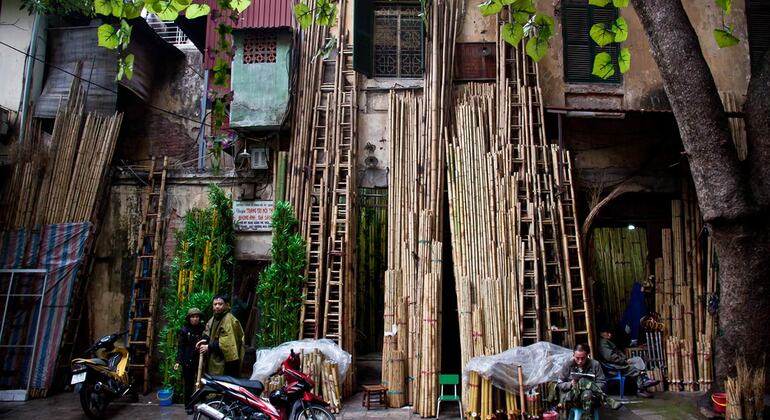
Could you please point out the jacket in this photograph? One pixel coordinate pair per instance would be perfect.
(591, 366)
(610, 354)
(225, 337)
(186, 354)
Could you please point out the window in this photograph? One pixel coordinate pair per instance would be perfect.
(259, 47)
(388, 39)
(758, 17)
(579, 48)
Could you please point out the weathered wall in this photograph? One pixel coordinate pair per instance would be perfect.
(261, 90)
(110, 284)
(16, 30)
(169, 124)
(642, 87)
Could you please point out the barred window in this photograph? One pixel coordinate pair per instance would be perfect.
(397, 41)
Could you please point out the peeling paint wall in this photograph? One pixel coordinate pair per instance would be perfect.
(113, 272)
(261, 90)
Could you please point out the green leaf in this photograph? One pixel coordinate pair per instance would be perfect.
(544, 24)
(117, 8)
(537, 47)
(108, 37)
(182, 4)
(725, 38)
(522, 11)
(725, 5)
(490, 7)
(240, 5)
(128, 66)
(103, 7)
(624, 60)
(603, 67)
(197, 10)
(620, 29)
(124, 34)
(599, 3)
(303, 14)
(601, 34)
(326, 13)
(620, 4)
(133, 10)
(512, 33)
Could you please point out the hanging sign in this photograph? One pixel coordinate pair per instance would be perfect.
(253, 216)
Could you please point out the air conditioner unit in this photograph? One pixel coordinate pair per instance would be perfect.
(259, 158)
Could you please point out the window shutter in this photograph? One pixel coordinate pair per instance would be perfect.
(363, 37)
(577, 48)
(759, 33)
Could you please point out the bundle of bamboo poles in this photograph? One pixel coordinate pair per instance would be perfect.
(61, 183)
(321, 183)
(683, 291)
(745, 392)
(325, 376)
(394, 377)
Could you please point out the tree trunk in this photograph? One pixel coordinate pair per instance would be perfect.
(732, 205)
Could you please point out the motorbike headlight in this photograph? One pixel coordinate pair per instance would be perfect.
(77, 367)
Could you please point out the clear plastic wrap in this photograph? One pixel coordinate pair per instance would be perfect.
(541, 362)
(269, 360)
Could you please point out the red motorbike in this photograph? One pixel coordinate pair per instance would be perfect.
(228, 398)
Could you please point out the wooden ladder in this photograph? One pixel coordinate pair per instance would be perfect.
(578, 297)
(338, 275)
(144, 297)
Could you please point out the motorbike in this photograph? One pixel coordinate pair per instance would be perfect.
(103, 377)
(228, 398)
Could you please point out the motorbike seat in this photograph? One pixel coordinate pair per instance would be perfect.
(255, 387)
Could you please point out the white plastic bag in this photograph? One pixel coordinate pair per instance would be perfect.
(541, 362)
(269, 360)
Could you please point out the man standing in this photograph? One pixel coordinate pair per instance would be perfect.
(582, 383)
(186, 355)
(633, 367)
(225, 340)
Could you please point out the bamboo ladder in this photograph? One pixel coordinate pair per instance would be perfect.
(142, 315)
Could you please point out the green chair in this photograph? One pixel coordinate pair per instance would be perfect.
(447, 380)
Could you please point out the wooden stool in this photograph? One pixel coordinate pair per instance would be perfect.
(374, 394)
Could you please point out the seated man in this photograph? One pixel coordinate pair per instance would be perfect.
(582, 383)
(633, 368)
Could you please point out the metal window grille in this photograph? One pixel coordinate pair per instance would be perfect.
(259, 47)
(397, 41)
(169, 31)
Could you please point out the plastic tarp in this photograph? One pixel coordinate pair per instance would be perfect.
(59, 250)
(541, 362)
(269, 360)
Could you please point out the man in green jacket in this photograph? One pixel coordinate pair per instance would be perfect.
(225, 341)
(581, 383)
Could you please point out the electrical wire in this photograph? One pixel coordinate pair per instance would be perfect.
(157, 108)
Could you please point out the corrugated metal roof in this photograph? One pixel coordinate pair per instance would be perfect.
(261, 14)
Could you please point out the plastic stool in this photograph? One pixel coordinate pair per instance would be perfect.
(576, 413)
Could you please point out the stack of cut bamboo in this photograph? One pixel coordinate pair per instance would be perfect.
(418, 132)
(746, 393)
(325, 376)
(516, 249)
(321, 184)
(61, 183)
(683, 290)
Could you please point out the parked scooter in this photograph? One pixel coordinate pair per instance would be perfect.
(103, 377)
(228, 398)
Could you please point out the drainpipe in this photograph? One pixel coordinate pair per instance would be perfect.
(202, 131)
(29, 65)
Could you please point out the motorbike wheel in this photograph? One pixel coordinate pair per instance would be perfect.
(94, 403)
(218, 405)
(314, 412)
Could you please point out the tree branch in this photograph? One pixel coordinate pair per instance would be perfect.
(720, 183)
(757, 118)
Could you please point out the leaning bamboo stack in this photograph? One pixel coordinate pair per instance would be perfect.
(684, 291)
(325, 376)
(61, 183)
(745, 392)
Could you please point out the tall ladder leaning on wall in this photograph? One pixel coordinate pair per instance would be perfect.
(145, 290)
